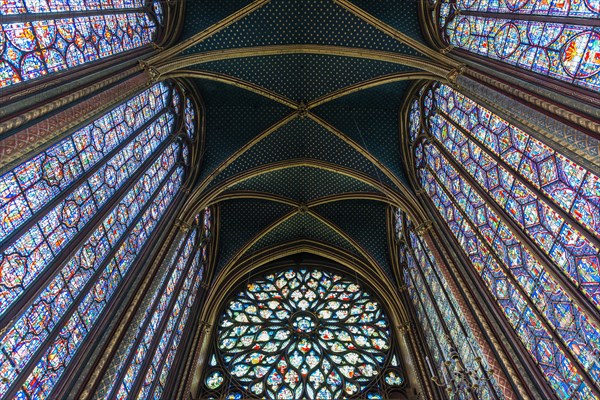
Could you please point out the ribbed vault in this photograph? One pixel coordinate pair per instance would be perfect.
(301, 137)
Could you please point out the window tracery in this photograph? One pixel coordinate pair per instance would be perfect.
(142, 365)
(557, 39)
(303, 333)
(75, 217)
(510, 200)
(39, 38)
(440, 317)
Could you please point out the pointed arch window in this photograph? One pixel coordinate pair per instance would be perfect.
(145, 357)
(556, 39)
(42, 37)
(75, 217)
(449, 339)
(527, 217)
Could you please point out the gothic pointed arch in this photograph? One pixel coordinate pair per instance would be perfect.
(525, 215)
(78, 216)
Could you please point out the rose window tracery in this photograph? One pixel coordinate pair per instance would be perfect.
(302, 333)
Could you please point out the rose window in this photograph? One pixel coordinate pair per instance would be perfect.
(299, 334)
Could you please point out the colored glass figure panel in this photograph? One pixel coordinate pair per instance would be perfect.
(447, 188)
(564, 8)
(61, 224)
(31, 48)
(35, 183)
(569, 52)
(190, 118)
(160, 308)
(559, 239)
(565, 183)
(47, 373)
(303, 334)
(81, 272)
(10, 7)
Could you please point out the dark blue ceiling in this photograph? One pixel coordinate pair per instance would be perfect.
(235, 116)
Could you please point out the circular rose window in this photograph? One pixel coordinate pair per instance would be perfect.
(300, 334)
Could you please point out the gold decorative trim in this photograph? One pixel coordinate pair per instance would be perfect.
(421, 63)
(378, 81)
(231, 80)
(396, 34)
(208, 32)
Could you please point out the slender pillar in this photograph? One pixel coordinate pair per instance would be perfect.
(488, 353)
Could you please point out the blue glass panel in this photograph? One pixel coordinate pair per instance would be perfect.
(570, 324)
(31, 47)
(33, 184)
(566, 246)
(160, 309)
(50, 235)
(569, 52)
(46, 372)
(31, 329)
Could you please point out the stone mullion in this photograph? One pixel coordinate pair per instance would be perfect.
(539, 115)
(129, 315)
(195, 369)
(562, 280)
(127, 363)
(37, 215)
(449, 244)
(20, 18)
(509, 276)
(165, 319)
(49, 272)
(25, 372)
(70, 382)
(488, 353)
(417, 345)
(519, 177)
(534, 17)
(452, 307)
(444, 352)
(179, 361)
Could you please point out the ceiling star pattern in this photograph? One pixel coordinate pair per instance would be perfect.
(304, 184)
(302, 139)
(313, 77)
(301, 126)
(301, 22)
(302, 226)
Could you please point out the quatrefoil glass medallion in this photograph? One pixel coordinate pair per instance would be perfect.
(303, 333)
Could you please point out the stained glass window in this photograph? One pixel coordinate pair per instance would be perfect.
(74, 219)
(301, 333)
(446, 333)
(557, 39)
(512, 201)
(143, 362)
(38, 38)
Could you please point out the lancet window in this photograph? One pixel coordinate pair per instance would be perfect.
(74, 220)
(42, 37)
(526, 215)
(143, 362)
